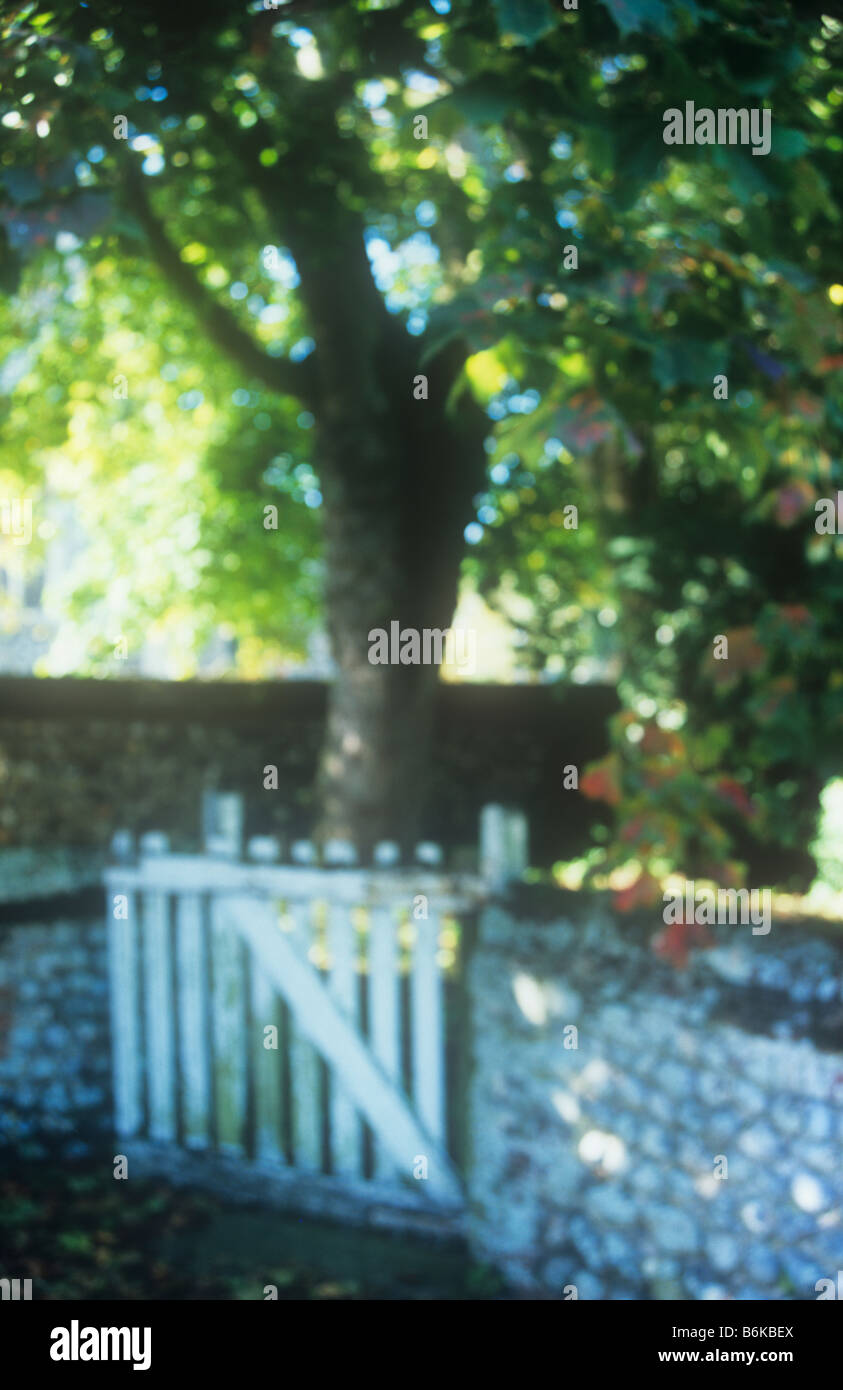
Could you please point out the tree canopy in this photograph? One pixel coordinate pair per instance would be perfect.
(651, 331)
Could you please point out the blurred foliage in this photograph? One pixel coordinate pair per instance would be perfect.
(79, 1235)
(695, 514)
(828, 847)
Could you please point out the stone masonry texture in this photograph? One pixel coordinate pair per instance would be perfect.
(600, 1165)
(55, 1048)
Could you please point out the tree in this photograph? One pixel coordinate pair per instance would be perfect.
(397, 476)
(576, 286)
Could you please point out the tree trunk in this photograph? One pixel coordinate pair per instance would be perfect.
(398, 482)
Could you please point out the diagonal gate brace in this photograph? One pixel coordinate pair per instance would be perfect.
(385, 1107)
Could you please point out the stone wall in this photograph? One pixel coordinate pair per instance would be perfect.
(27, 874)
(597, 1165)
(688, 1146)
(55, 1047)
(82, 758)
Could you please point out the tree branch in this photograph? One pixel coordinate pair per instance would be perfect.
(325, 236)
(221, 325)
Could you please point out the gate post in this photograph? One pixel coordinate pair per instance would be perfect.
(222, 824)
(503, 846)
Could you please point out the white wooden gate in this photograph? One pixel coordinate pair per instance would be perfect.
(289, 1016)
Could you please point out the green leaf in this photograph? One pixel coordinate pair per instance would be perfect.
(688, 362)
(631, 16)
(462, 318)
(524, 21)
(788, 143)
(811, 190)
(480, 102)
(76, 1242)
(744, 172)
(638, 151)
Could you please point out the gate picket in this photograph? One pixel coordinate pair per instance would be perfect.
(193, 1038)
(384, 1009)
(305, 1064)
(427, 1030)
(160, 1032)
(229, 1030)
(123, 938)
(346, 1131)
(267, 1068)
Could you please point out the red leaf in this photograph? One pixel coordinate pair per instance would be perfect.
(644, 892)
(792, 500)
(733, 792)
(602, 782)
(795, 614)
(680, 938)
